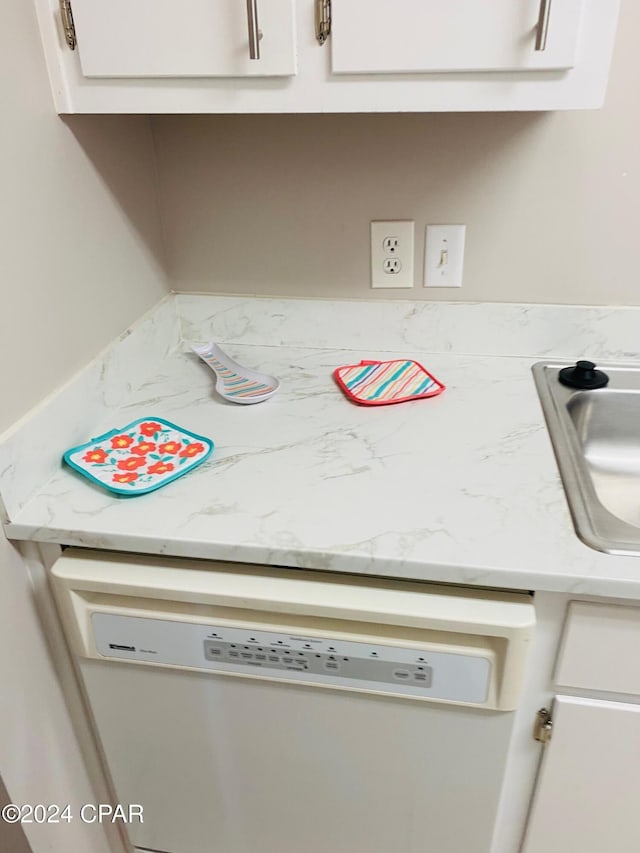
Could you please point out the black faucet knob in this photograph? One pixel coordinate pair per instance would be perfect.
(583, 375)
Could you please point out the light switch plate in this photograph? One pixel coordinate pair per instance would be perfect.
(444, 255)
(392, 247)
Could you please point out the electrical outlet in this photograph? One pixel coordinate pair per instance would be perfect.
(392, 247)
(392, 266)
(444, 255)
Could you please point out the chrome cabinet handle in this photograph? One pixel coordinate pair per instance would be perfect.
(67, 24)
(323, 20)
(254, 32)
(543, 24)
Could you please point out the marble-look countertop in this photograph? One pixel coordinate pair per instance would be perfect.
(461, 488)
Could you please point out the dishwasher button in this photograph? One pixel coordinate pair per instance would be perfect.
(401, 674)
(423, 677)
(332, 665)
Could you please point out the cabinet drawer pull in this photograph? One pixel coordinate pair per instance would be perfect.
(543, 24)
(254, 32)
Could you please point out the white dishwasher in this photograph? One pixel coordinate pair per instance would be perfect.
(264, 710)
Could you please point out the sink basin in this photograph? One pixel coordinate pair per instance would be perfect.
(596, 440)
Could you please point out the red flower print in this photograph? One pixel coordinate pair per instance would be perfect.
(97, 455)
(125, 478)
(150, 428)
(193, 449)
(131, 463)
(160, 468)
(121, 441)
(143, 447)
(170, 447)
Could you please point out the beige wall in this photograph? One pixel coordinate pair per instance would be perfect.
(281, 205)
(79, 238)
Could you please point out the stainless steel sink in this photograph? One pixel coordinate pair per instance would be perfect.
(596, 439)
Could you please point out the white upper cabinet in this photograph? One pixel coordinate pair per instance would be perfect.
(184, 38)
(199, 56)
(399, 36)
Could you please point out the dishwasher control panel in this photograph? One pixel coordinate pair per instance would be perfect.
(365, 664)
(428, 673)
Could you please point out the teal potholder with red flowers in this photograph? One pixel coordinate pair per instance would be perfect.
(140, 457)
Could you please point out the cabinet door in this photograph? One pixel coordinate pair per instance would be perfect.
(587, 794)
(189, 38)
(396, 36)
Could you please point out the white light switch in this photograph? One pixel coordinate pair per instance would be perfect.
(444, 255)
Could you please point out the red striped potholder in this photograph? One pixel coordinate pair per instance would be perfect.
(378, 383)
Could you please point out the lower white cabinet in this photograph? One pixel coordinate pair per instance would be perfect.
(586, 798)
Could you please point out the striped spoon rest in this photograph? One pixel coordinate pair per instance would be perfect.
(236, 383)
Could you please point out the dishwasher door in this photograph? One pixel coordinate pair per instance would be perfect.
(253, 710)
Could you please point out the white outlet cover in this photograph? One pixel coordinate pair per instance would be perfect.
(444, 255)
(392, 241)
